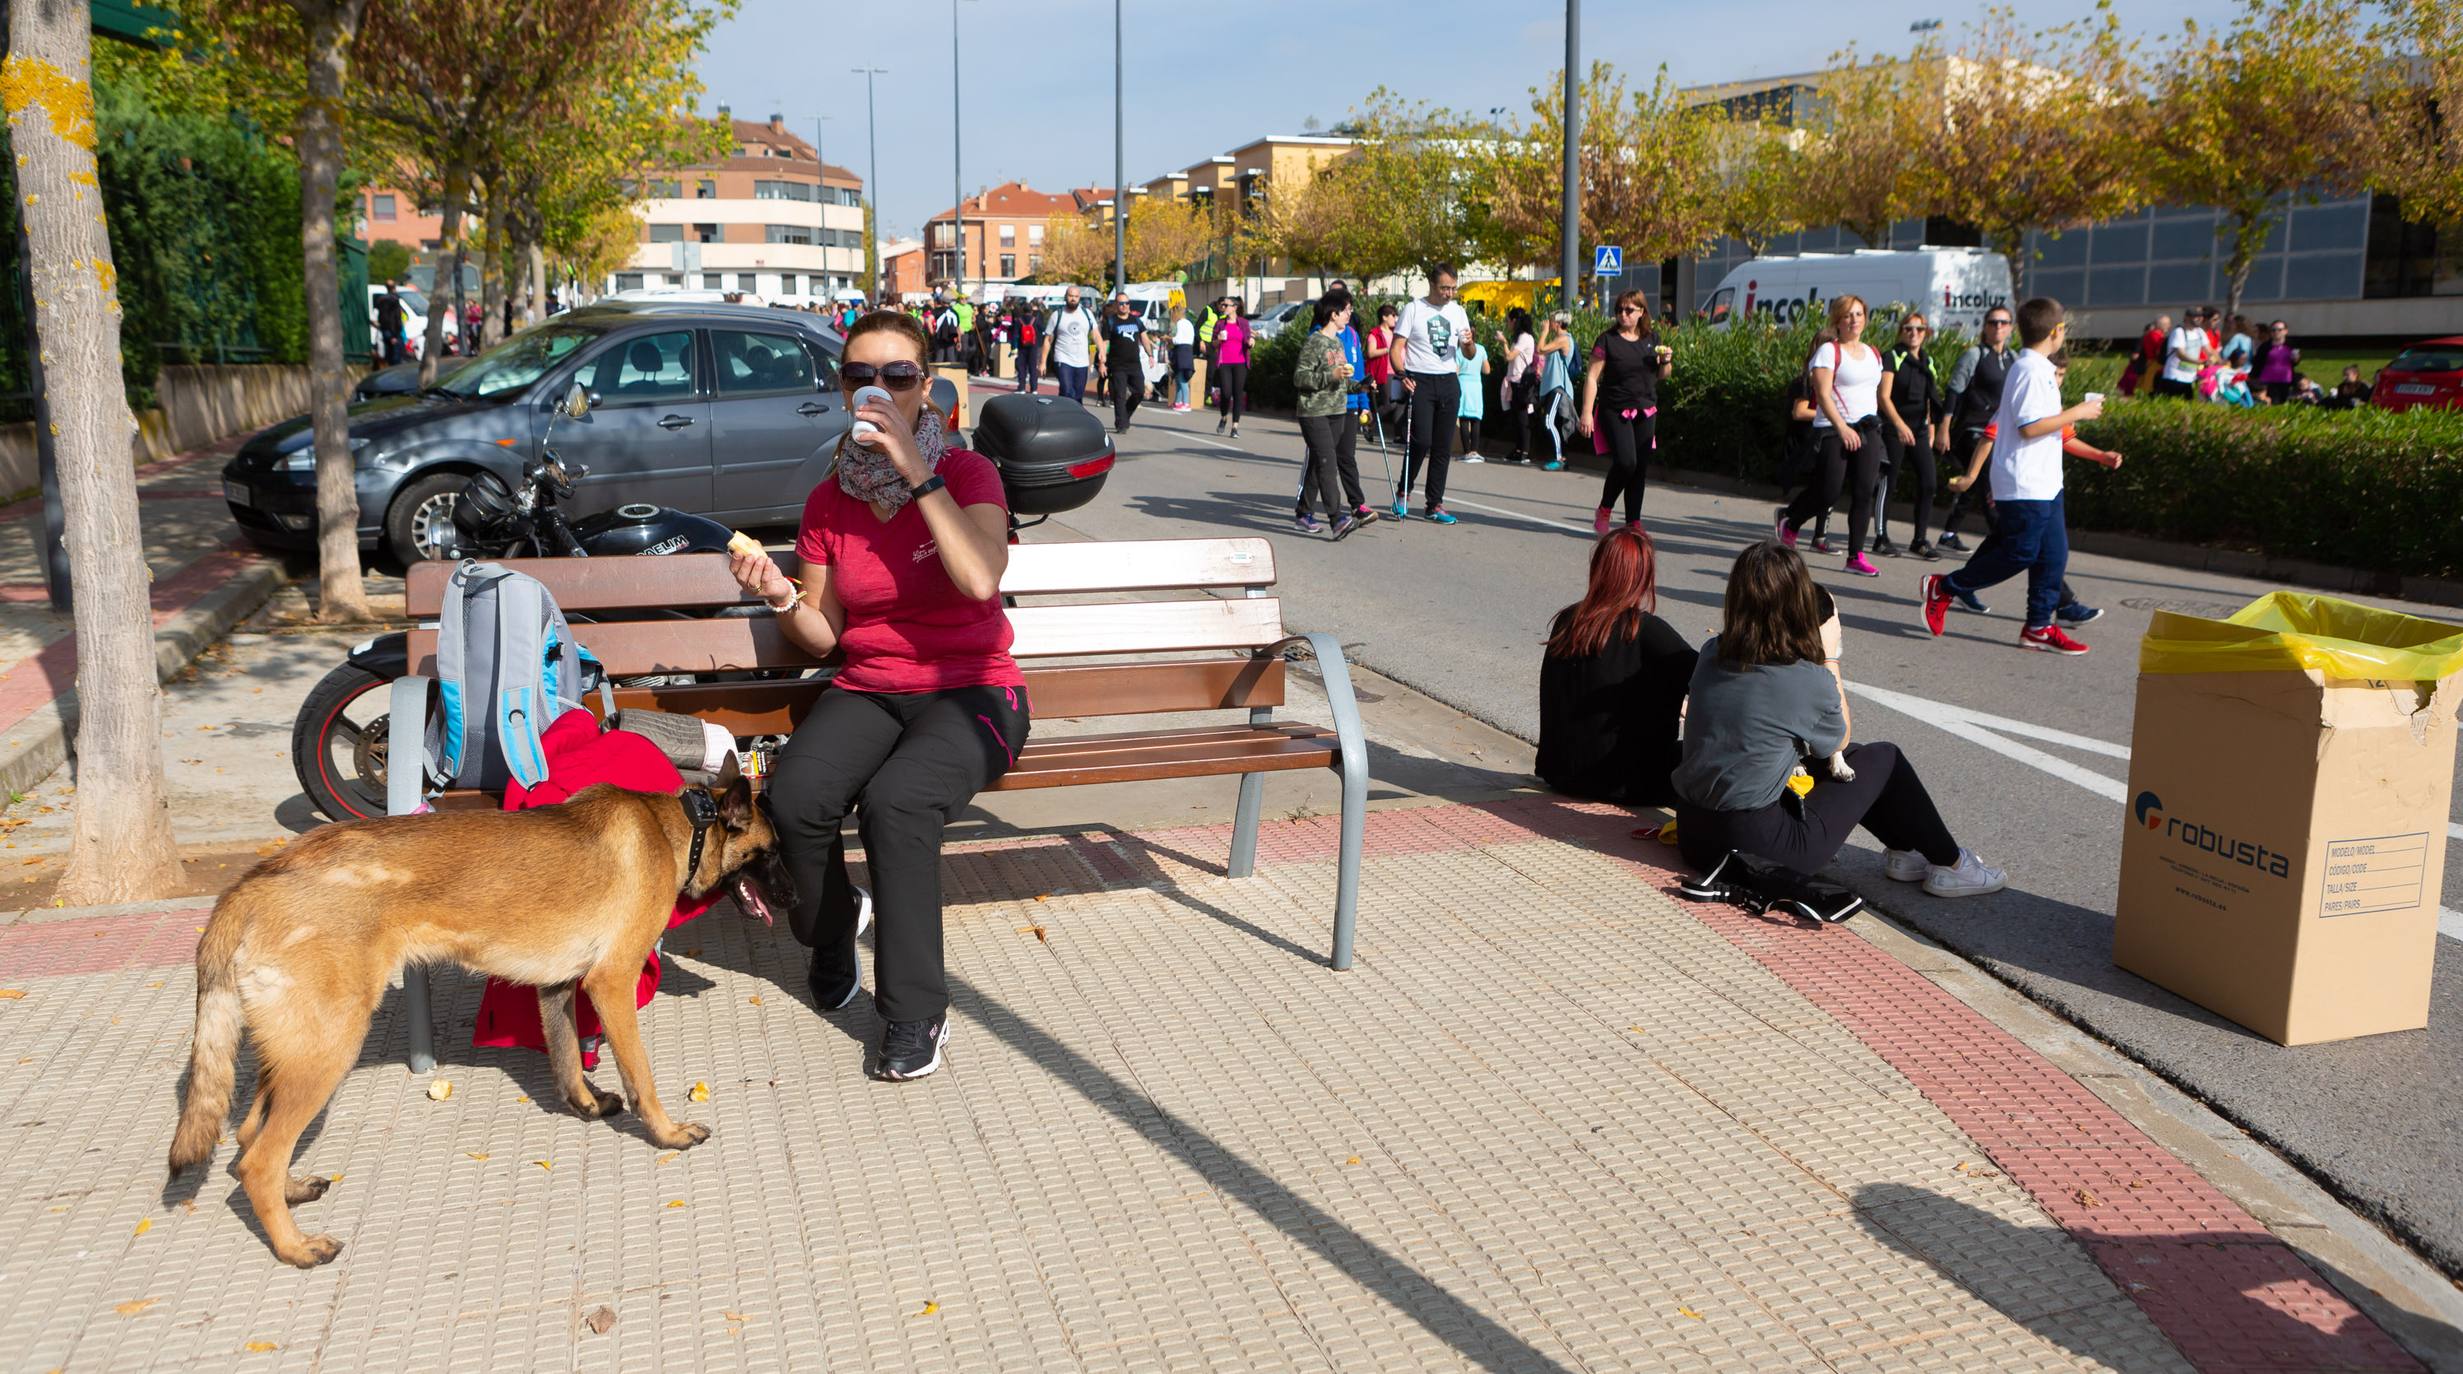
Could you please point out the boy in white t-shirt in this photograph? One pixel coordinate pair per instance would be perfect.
(2029, 534)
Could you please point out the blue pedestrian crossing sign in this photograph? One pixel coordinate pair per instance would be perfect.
(1607, 260)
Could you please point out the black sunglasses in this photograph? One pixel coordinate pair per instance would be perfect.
(900, 376)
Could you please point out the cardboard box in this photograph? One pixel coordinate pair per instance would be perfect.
(2286, 842)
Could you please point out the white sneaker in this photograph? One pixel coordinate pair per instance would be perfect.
(1968, 878)
(1905, 865)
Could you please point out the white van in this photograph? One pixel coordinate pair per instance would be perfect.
(1953, 286)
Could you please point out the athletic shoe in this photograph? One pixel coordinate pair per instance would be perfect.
(2077, 613)
(1599, 521)
(1821, 544)
(1883, 548)
(1862, 566)
(1905, 866)
(1400, 513)
(1968, 601)
(1307, 524)
(1925, 551)
(1346, 525)
(1969, 877)
(1235, 431)
(836, 975)
(912, 1049)
(1933, 591)
(2049, 639)
(1952, 542)
(1779, 529)
(1438, 515)
(1472, 458)
(1557, 466)
(1363, 514)
(1179, 410)
(1218, 425)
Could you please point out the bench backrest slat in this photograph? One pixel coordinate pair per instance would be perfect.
(630, 648)
(1109, 689)
(701, 581)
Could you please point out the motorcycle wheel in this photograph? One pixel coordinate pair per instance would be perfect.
(338, 744)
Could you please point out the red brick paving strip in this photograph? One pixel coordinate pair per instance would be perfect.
(2224, 1290)
(52, 671)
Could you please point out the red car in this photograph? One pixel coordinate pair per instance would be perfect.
(2429, 373)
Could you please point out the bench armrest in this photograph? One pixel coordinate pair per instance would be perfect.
(406, 745)
(1335, 672)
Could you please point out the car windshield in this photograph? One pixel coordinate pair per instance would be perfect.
(413, 301)
(2431, 359)
(517, 362)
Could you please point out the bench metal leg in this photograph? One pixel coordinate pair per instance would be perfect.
(1244, 824)
(1335, 672)
(406, 774)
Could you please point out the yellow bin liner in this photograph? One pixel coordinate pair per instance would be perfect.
(2293, 631)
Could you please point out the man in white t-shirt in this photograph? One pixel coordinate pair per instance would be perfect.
(2029, 531)
(2186, 349)
(1432, 332)
(1069, 345)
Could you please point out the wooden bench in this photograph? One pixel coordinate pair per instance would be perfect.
(1221, 653)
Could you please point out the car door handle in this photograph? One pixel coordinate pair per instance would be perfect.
(675, 422)
(811, 408)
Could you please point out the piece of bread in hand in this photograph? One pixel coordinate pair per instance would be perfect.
(744, 544)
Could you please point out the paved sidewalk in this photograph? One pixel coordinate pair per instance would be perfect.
(206, 577)
(1553, 1120)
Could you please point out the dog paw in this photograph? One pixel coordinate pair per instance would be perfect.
(305, 1188)
(685, 1136)
(313, 1251)
(1840, 772)
(598, 1104)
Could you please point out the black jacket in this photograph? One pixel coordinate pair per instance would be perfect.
(1608, 721)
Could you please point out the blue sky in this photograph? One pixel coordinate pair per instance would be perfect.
(1207, 75)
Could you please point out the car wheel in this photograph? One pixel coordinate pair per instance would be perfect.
(419, 527)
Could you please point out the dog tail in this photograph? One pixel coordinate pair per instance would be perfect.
(220, 1018)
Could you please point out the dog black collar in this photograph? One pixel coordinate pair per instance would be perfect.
(701, 813)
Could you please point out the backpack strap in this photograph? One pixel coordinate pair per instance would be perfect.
(524, 710)
(452, 730)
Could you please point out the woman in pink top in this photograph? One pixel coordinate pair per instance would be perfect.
(1229, 364)
(903, 547)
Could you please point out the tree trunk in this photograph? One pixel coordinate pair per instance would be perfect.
(2250, 231)
(492, 274)
(121, 848)
(432, 349)
(536, 262)
(340, 594)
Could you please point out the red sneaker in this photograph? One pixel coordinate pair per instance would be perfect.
(2050, 640)
(1936, 599)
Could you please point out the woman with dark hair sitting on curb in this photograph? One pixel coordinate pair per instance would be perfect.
(1762, 701)
(1612, 685)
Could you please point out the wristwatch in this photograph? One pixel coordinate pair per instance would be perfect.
(927, 486)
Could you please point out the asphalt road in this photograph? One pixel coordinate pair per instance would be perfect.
(2026, 752)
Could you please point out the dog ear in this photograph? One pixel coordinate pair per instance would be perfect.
(735, 805)
(728, 773)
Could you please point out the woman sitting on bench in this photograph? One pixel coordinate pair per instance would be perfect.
(1612, 683)
(1763, 701)
(903, 548)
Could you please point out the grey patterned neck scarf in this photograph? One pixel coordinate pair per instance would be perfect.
(868, 474)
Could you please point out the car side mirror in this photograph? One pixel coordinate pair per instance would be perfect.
(577, 402)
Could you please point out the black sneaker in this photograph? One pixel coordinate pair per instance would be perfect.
(836, 974)
(1925, 551)
(1883, 548)
(1951, 542)
(912, 1049)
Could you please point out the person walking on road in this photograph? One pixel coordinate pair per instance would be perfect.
(1227, 365)
(1846, 433)
(1026, 329)
(1069, 345)
(1469, 369)
(1764, 698)
(1184, 357)
(1627, 363)
(903, 547)
(1321, 380)
(1553, 412)
(1124, 360)
(2029, 530)
(1912, 417)
(1430, 333)
(1975, 391)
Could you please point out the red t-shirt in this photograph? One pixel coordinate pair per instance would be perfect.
(1381, 365)
(909, 628)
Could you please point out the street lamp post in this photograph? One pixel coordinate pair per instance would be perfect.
(821, 195)
(872, 136)
(1569, 226)
(957, 141)
(1120, 165)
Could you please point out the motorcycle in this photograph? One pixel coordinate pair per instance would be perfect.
(339, 738)
(1053, 458)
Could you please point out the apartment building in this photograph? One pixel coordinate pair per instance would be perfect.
(769, 219)
(1005, 229)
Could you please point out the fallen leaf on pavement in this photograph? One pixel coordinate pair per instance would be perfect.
(600, 1319)
(1687, 1311)
(439, 1090)
(2087, 1199)
(700, 1092)
(755, 999)
(134, 1306)
(479, 1155)
(671, 1154)
(674, 1203)
(259, 1347)
(1037, 931)
(2137, 1183)
(735, 1316)
(523, 1098)
(543, 1164)
(929, 1309)
(144, 1224)
(1353, 1160)
(12, 994)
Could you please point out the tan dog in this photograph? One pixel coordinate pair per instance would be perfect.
(300, 951)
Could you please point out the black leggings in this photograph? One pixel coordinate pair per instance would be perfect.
(1962, 451)
(1917, 456)
(906, 764)
(1833, 467)
(1436, 401)
(1887, 799)
(1629, 446)
(1330, 439)
(1467, 433)
(1231, 389)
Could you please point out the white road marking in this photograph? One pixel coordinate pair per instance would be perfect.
(1540, 520)
(1985, 730)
